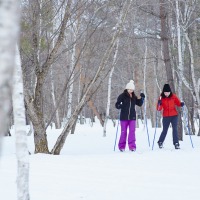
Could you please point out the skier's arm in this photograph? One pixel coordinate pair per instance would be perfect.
(140, 101)
(177, 101)
(119, 102)
(159, 104)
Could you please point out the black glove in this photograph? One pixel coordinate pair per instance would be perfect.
(142, 95)
(118, 105)
(159, 102)
(182, 104)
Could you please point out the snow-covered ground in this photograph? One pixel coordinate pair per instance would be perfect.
(89, 169)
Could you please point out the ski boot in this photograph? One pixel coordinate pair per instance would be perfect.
(160, 145)
(132, 149)
(177, 146)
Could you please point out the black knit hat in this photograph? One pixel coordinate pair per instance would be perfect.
(166, 88)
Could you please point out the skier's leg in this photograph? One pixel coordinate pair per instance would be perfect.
(131, 135)
(174, 122)
(166, 122)
(122, 140)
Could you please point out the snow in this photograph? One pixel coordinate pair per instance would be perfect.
(89, 169)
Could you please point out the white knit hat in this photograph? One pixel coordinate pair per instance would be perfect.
(130, 85)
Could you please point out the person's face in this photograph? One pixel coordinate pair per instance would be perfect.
(166, 94)
(130, 91)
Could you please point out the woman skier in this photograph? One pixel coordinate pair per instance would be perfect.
(168, 102)
(126, 102)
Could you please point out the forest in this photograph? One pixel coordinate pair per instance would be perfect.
(77, 56)
(70, 60)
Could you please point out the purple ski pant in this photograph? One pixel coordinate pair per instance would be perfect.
(125, 124)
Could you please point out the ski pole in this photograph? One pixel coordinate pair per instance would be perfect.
(184, 114)
(143, 101)
(155, 129)
(156, 122)
(146, 124)
(116, 131)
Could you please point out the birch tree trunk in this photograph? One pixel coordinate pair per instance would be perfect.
(9, 28)
(71, 81)
(54, 100)
(180, 71)
(180, 60)
(188, 10)
(82, 121)
(144, 83)
(157, 90)
(75, 64)
(195, 84)
(20, 132)
(109, 87)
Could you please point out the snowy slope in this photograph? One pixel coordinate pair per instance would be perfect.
(89, 169)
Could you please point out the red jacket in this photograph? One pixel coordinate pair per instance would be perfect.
(168, 105)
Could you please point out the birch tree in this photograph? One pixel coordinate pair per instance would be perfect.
(74, 34)
(180, 60)
(186, 22)
(195, 81)
(144, 83)
(54, 99)
(9, 29)
(20, 133)
(109, 86)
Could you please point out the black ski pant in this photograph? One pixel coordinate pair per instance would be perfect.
(166, 122)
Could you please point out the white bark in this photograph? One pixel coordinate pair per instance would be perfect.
(54, 100)
(198, 85)
(79, 92)
(180, 60)
(9, 28)
(194, 83)
(31, 130)
(144, 83)
(79, 83)
(189, 7)
(71, 85)
(20, 133)
(195, 89)
(72, 66)
(55, 26)
(156, 76)
(109, 87)
(39, 31)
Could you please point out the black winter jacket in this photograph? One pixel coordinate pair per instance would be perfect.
(127, 105)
